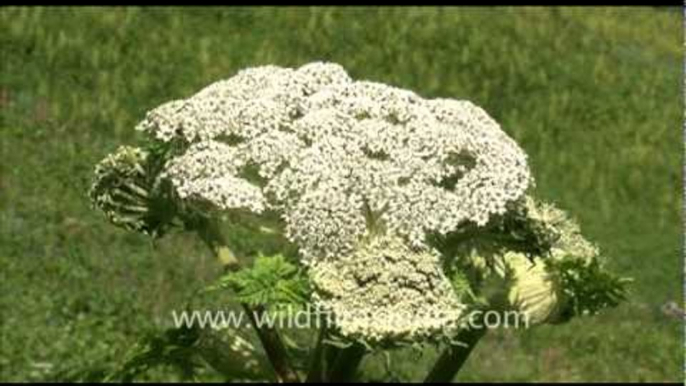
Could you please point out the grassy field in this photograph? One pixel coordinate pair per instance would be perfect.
(593, 95)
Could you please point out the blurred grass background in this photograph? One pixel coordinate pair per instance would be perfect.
(592, 94)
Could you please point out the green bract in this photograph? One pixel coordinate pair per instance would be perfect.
(121, 189)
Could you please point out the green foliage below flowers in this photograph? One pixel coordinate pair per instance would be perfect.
(272, 281)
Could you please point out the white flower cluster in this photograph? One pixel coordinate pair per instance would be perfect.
(208, 170)
(570, 242)
(359, 171)
(335, 153)
(386, 290)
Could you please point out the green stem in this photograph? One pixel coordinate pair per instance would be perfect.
(273, 345)
(346, 363)
(451, 360)
(277, 354)
(318, 365)
(329, 356)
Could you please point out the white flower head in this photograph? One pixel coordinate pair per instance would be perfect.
(418, 165)
(378, 188)
(360, 172)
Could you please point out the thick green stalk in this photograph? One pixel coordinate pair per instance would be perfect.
(273, 346)
(451, 360)
(327, 356)
(269, 336)
(346, 363)
(316, 372)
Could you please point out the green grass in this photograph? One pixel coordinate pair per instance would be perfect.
(592, 95)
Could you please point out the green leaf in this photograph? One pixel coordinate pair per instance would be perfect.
(588, 287)
(272, 281)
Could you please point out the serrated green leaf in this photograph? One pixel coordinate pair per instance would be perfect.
(272, 281)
